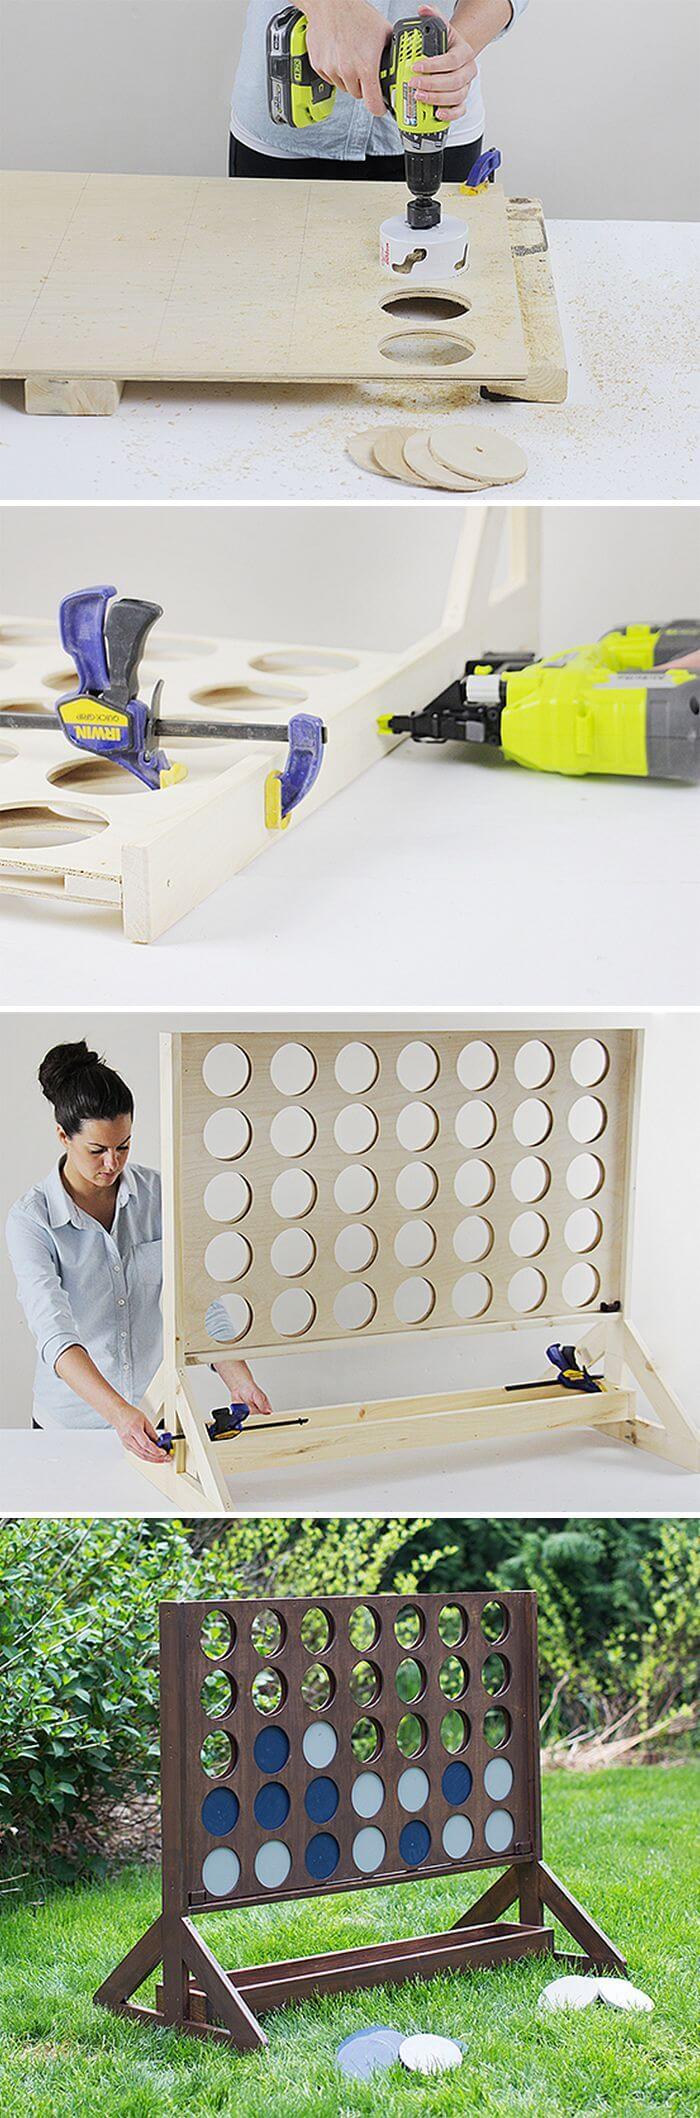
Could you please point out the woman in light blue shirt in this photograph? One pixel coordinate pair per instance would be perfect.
(346, 39)
(87, 1253)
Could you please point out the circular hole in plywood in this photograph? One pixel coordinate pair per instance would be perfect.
(494, 1622)
(530, 1180)
(317, 1630)
(580, 1285)
(354, 1306)
(293, 1194)
(317, 1686)
(363, 1627)
(589, 1062)
(355, 1129)
(417, 1066)
(527, 1290)
(292, 1069)
(355, 1247)
(217, 1636)
(528, 1235)
(366, 1739)
(27, 635)
(414, 1243)
(431, 308)
(429, 348)
(587, 1119)
(355, 1189)
(475, 1123)
(471, 1295)
(416, 1127)
(495, 1674)
(477, 1065)
(583, 1229)
(301, 661)
(226, 1070)
(293, 1131)
(292, 1253)
(472, 1239)
(27, 825)
(217, 1755)
(584, 1176)
(227, 1256)
(227, 1197)
(94, 775)
(409, 1626)
(453, 1625)
(247, 701)
(416, 1185)
(532, 1122)
(61, 680)
(178, 647)
(497, 1726)
(356, 1068)
(413, 1301)
(227, 1134)
(268, 1691)
(474, 1183)
(410, 1680)
(292, 1312)
(267, 1632)
(453, 1677)
(228, 1320)
(25, 705)
(217, 1695)
(7, 753)
(534, 1064)
(455, 1731)
(365, 1683)
(411, 1735)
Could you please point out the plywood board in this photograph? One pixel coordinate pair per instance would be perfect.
(411, 1212)
(76, 828)
(174, 278)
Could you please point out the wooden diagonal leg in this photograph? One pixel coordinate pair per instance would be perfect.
(117, 1988)
(227, 2003)
(498, 1898)
(596, 1946)
(676, 1438)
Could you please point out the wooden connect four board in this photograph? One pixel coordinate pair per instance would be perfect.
(312, 1745)
(361, 1742)
(336, 1186)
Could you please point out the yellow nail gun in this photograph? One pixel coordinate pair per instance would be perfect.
(612, 707)
(298, 96)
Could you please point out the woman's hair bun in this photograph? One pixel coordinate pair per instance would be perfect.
(61, 1063)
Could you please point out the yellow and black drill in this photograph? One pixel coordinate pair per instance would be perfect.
(298, 96)
(612, 707)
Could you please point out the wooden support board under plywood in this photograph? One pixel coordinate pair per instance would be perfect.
(407, 1728)
(74, 828)
(517, 1210)
(126, 278)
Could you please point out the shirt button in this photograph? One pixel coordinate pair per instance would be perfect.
(121, 1302)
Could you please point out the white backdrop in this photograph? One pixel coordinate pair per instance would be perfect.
(667, 1230)
(341, 576)
(593, 104)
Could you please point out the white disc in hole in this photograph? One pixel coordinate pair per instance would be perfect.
(220, 1871)
(368, 1850)
(320, 1744)
(367, 1794)
(457, 1835)
(413, 1788)
(498, 1830)
(272, 1864)
(498, 1779)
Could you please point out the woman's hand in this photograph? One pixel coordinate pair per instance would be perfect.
(446, 80)
(241, 1385)
(137, 1435)
(346, 39)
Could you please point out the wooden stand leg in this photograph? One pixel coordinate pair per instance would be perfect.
(536, 1887)
(676, 1439)
(597, 1948)
(50, 395)
(116, 1990)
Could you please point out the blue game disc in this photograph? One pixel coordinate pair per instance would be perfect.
(271, 1749)
(321, 1800)
(456, 1783)
(322, 1856)
(271, 1806)
(414, 1843)
(220, 1811)
(369, 2051)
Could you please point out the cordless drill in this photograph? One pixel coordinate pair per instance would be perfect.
(298, 96)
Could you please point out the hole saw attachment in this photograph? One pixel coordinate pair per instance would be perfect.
(611, 707)
(105, 717)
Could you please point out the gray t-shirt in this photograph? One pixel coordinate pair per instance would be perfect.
(351, 132)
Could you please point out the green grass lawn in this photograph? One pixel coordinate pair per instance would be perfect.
(624, 1841)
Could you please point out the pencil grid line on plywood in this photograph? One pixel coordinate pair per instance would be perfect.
(160, 278)
(467, 1235)
(307, 1690)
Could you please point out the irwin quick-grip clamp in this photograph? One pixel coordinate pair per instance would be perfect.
(106, 717)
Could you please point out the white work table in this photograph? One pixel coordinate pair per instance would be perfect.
(629, 296)
(569, 1474)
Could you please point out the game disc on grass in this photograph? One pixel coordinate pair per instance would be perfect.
(430, 2055)
(619, 1993)
(369, 2051)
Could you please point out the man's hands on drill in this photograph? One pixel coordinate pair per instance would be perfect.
(446, 80)
(346, 39)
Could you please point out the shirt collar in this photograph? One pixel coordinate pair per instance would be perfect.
(64, 1209)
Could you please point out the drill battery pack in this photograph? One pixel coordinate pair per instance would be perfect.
(296, 94)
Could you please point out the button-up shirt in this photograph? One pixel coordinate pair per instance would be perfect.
(351, 132)
(80, 1284)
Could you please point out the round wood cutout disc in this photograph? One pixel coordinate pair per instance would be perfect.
(359, 447)
(388, 444)
(480, 453)
(419, 457)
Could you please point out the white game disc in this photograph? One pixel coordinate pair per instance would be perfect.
(619, 1993)
(569, 1993)
(429, 2055)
